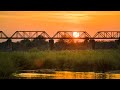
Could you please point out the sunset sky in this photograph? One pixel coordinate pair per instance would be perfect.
(53, 21)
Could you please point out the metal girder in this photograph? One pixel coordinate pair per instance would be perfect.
(61, 35)
(69, 35)
(3, 35)
(30, 35)
(107, 35)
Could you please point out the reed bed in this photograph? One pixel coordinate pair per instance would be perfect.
(71, 60)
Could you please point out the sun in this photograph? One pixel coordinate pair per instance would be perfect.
(76, 34)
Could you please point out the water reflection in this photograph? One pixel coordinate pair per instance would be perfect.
(68, 75)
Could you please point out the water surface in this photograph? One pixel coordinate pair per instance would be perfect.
(68, 75)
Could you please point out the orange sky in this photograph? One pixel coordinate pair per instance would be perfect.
(53, 21)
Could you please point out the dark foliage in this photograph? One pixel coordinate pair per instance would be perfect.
(63, 44)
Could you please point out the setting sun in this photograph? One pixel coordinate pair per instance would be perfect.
(76, 34)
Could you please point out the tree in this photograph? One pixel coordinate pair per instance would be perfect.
(40, 42)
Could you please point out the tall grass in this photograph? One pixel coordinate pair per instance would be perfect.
(74, 60)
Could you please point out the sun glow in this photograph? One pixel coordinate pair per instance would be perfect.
(76, 34)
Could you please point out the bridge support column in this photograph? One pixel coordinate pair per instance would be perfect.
(86, 43)
(117, 42)
(51, 44)
(92, 44)
(9, 45)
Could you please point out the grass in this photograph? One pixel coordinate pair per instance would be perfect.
(73, 60)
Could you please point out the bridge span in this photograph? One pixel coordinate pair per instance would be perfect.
(63, 35)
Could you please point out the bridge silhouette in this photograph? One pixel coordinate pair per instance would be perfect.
(63, 35)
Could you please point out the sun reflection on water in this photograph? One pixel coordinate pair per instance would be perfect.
(68, 75)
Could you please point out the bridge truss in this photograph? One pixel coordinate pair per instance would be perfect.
(30, 35)
(3, 35)
(69, 35)
(61, 35)
(107, 35)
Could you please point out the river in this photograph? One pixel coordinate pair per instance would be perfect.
(68, 75)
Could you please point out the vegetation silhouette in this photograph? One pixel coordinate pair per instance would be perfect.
(40, 43)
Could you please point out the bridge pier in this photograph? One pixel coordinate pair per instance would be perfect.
(51, 44)
(117, 42)
(92, 44)
(86, 42)
(9, 45)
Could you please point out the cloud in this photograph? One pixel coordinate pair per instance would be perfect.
(70, 17)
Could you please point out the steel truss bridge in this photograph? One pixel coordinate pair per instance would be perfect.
(61, 35)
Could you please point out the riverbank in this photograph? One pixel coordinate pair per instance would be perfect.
(73, 60)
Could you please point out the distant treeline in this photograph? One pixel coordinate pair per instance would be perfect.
(62, 44)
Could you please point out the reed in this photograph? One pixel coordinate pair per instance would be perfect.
(73, 60)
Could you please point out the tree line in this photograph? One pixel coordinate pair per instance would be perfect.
(61, 44)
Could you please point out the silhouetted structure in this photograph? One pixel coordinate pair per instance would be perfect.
(39, 37)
